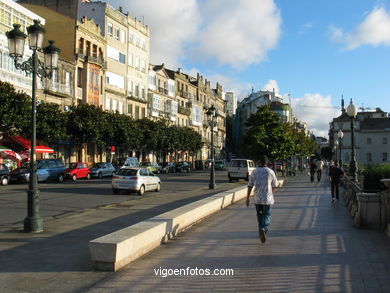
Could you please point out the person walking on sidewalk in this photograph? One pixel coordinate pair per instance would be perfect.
(335, 174)
(264, 180)
(312, 170)
(319, 167)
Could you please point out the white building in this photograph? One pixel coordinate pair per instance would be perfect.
(372, 137)
(231, 104)
(10, 13)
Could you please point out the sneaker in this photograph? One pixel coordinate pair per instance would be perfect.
(263, 236)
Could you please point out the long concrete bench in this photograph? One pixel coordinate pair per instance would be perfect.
(115, 250)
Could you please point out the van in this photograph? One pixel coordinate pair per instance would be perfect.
(240, 169)
(47, 169)
(126, 162)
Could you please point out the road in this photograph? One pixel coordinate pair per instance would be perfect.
(60, 200)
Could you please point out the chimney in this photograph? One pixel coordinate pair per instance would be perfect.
(179, 70)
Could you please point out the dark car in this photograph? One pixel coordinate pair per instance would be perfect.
(4, 174)
(183, 167)
(168, 167)
(47, 169)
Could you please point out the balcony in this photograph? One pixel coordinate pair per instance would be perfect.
(58, 88)
(184, 111)
(96, 59)
(79, 93)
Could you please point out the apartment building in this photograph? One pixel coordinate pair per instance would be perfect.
(231, 103)
(10, 13)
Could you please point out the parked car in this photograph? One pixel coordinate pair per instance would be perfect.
(152, 166)
(47, 169)
(78, 170)
(102, 169)
(240, 169)
(168, 167)
(220, 165)
(136, 180)
(182, 166)
(126, 162)
(279, 166)
(4, 174)
(207, 163)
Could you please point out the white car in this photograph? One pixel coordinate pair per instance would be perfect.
(240, 169)
(135, 179)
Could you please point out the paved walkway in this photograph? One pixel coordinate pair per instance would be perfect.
(312, 247)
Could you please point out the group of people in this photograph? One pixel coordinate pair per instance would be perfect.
(264, 180)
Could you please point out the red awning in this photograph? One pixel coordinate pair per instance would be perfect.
(26, 143)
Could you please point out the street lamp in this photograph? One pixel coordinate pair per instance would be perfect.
(16, 39)
(211, 114)
(340, 135)
(336, 143)
(351, 112)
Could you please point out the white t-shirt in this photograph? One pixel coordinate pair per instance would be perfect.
(263, 179)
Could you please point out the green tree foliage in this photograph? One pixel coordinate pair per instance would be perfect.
(267, 135)
(15, 110)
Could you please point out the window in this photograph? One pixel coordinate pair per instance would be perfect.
(136, 90)
(116, 33)
(108, 104)
(143, 93)
(369, 157)
(137, 63)
(123, 36)
(137, 40)
(130, 59)
(122, 58)
(79, 77)
(143, 113)
(384, 157)
(156, 102)
(120, 107)
(115, 79)
(143, 66)
(384, 140)
(131, 36)
(109, 29)
(143, 44)
(369, 140)
(114, 105)
(130, 88)
(136, 112)
(130, 109)
(81, 46)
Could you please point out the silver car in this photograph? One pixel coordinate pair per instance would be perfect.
(135, 179)
(102, 169)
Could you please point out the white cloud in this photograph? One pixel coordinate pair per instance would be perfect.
(317, 111)
(173, 25)
(237, 33)
(272, 85)
(374, 30)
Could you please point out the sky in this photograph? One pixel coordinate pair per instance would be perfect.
(311, 52)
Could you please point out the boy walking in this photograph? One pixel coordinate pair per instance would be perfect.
(264, 181)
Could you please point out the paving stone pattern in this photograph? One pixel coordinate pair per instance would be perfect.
(312, 247)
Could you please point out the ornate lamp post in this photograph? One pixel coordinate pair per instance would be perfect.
(211, 114)
(16, 38)
(336, 143)
(352, 111)
(340, 135)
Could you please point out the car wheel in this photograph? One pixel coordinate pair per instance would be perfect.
(60, 178)
(4, 180)
(141, 190)
(100, 175)
(74, 177)
(158, 188)
(115, 191)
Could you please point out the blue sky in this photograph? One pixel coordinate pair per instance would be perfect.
(315, 51)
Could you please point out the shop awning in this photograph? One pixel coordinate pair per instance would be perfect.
(7, 153)
(26, 143)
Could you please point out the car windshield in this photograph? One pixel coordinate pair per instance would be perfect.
(97, 165)
(127, 172)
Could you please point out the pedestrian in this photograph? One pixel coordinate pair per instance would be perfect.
(335, 174)
(264, 180)
(312, 170)
(319, 167)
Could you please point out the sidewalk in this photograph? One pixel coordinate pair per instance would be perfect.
(312, 247)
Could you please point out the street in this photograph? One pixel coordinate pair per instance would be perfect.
(59, 200)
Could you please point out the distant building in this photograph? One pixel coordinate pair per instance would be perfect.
(372, 136)
(249, 106)
(231, 103)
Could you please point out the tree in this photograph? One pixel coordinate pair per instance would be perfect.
(15, 110)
